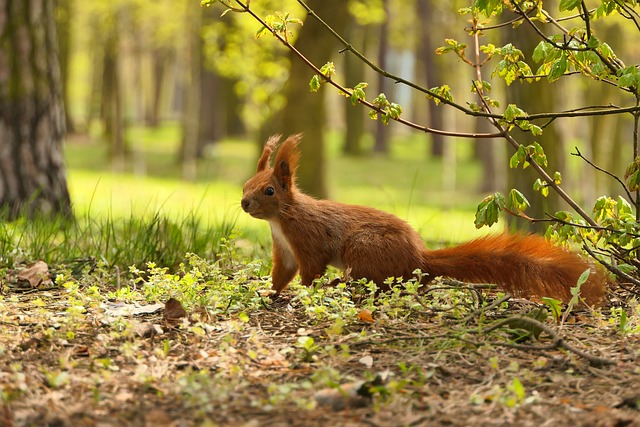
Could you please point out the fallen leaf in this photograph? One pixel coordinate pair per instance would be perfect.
(365, 316)
(147, 329)
(366, 361)
(350, 395)
(275, 358)
(173, 310)
(35, 275)
(158, 417)
(81, 351)
(124, 309)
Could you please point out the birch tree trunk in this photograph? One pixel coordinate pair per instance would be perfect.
(32, 117)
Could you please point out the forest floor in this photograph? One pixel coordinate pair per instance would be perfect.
(74, 355)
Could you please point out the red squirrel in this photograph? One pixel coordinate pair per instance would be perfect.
(310, 234)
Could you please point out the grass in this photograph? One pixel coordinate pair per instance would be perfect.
(405, 184)
(147, 214)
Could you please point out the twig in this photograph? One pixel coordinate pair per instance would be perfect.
(516, 145)
(586, 227)
(348, 92)
(612, 268)
(480, 310)
(349, 47)
(558, 341)
(579, 154)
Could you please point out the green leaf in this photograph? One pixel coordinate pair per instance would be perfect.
(261, 32)
(568, 5)
(395, 110)
(516, 201)
(583, 278)
(557, 178)
(555, 306)
(489, 210)
(535, 130)
(518, 389)
(488, 7)
(593, 42)
(328, 69)
(519, 157)
(630, 77)
(558, 69)
(314, 84)
(512, 112)
(542, 51)
(538, 155)
(358, 92)
(443, 91)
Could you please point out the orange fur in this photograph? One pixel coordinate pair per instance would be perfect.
(310, 234)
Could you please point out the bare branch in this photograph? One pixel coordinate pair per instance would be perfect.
(558, 341)
(348, 92)
(579, 154)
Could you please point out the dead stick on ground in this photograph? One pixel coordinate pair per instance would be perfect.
(559, 342)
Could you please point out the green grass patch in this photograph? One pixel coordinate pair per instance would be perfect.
(407, 183)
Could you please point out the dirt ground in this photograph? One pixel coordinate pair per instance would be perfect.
(64, 362)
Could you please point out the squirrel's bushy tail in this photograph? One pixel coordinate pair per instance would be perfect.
(523, 265)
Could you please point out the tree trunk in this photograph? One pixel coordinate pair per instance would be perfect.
(382, 130)
(354, 70)
(535, 97)
(64, 15)
(32, 118)
(427, 55)
(191, 111)
(210, 110)
(492, 166)
(112, 109)
(305, 111)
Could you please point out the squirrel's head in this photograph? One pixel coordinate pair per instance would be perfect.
(271, 187)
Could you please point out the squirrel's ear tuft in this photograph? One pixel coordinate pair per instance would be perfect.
(263, 162)
(287, 161)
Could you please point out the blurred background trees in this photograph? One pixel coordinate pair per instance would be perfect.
(131, 63)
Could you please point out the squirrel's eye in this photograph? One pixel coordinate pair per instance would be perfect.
(270, 191)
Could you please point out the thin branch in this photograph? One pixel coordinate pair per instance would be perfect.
(374, 67)
(579, 154)
(348, 92)
(584, 14)
(539, 169)
(585, 227)
(519, 19)
(506, 297)
(612, 67)
(467, 111)
(628, 13)
(565, 45)
(558, 341)
(581, 113)
(612, 268)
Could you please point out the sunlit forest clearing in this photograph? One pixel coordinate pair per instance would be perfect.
(141, 285)
(407, 186)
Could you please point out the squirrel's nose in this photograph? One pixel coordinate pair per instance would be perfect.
(245, 204)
